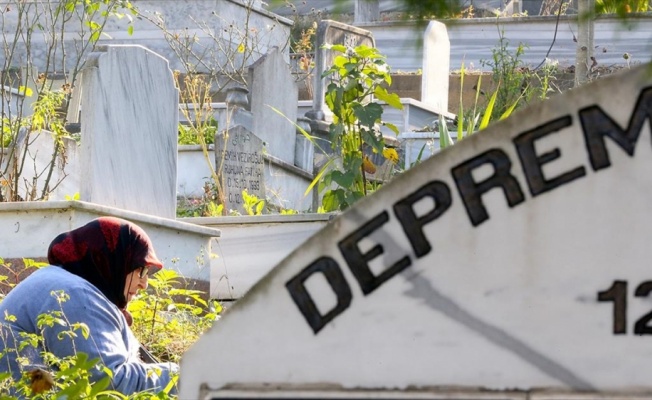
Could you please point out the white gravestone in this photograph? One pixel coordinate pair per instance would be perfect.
(129, 125)
(518, 259)
(271, 85)
(436, 66)
(332, 32)
(240, 165)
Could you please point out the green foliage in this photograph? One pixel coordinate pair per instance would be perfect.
(10, 128)
(479, 117)
(10, 274)
(357, 76)
(510, 75)
(75, 196)
(207, 205)
(252, 204)
(68, 377)
(198, 134)
(621, 7)
(167, 320)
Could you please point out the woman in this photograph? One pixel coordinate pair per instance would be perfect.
(95, 271)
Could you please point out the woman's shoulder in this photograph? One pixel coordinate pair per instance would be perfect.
(52, 275)
(50, 279)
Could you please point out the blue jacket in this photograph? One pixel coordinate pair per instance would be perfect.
(110, 338)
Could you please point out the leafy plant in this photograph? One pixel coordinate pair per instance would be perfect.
(510, 74)
(207, 205)
(513, 88)
(67, 377)
(302, 45)
(477, 118)
(252, 204)
(167, 320)
(357, 78)
(189, 134)
(621, 7)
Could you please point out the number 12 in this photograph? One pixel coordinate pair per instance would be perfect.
(618, 294)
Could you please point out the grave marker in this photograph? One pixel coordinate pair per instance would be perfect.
(436, 66)
(272, 85)
(518, 259)
(240, 165)
(332, 32)
(130, 119)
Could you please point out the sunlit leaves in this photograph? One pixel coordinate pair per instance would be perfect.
(391, 99)
(354, 82)
(25, 91)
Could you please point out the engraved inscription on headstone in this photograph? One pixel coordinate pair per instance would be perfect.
(240, 165)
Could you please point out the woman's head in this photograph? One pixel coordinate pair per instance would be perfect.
(109, 253)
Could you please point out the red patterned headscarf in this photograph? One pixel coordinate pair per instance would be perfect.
(104, 252)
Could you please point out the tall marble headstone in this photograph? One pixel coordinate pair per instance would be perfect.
(436, 64)
(514, 264)
(129, 125)
(271, 84)
(240, 165)
(332, 32)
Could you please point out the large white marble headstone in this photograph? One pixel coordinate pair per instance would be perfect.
(129, 126)
(271, 84)
(436, 66)
(519, 258)
(332, 32)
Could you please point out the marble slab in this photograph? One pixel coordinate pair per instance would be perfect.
(436, 66)
(273, 101)
(240, 165)
(517, 258)
(130, 118)
(29, 227)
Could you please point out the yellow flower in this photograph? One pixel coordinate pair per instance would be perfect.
(390, 154)
(368, 166)
(241, 48)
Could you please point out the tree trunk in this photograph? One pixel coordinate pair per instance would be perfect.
(584, 51)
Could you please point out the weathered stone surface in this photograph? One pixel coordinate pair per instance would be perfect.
(517, 258)
(272, 87)
(128, 155)
(240, 166)
(436, 66)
